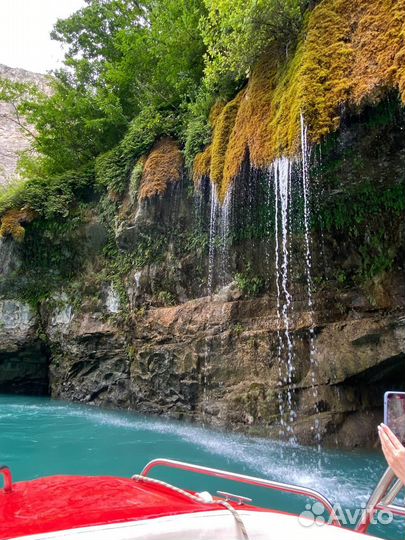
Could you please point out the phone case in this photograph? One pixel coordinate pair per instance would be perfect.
(386, 396)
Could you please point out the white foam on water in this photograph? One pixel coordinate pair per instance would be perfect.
(331, 473)
(275, 460)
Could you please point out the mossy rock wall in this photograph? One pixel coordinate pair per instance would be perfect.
(351, 53)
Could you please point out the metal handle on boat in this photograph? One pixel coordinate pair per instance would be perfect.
(382, 498)
(8, 479)
(392, 493)
(251, 480)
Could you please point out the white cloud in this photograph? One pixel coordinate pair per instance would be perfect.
(25, 26)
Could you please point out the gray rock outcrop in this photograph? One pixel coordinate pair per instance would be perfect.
(14, 133)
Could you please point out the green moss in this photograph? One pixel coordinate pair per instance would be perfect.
(136, 177)
(48, 197)
(52, 257)
(149, 249)
(166, 298)
(113, 169)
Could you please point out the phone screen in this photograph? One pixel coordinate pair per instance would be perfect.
(395, 413)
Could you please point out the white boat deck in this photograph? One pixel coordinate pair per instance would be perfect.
(211, 525)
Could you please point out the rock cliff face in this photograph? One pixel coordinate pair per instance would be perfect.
(23, 356)
(14, 139)
(214, 360)
(179, 322)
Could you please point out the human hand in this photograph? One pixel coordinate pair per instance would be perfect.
(394, 451)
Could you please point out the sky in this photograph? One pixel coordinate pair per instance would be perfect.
(25, 26)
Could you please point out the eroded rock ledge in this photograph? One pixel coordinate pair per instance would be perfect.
(214, 361)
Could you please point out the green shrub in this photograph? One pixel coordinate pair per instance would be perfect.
(113, 169)
(48, 197)
(249, 283)
(166, 298)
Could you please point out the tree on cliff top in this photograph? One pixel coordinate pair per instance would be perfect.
(122, 57)
(238, 32)
(130, 59)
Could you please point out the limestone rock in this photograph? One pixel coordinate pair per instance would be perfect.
(13, 137)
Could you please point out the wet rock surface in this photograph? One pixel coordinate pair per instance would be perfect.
(157, 342)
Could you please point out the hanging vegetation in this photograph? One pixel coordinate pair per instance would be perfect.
(351, 53)
(163, 166)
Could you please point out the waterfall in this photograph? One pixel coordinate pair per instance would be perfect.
(204, 381)
(289, 181)
(307, 217)
(305, 160)
(289, 202)
(198, 207)
(224, 225)
(218, 258)
(214, 204)
(280, 174)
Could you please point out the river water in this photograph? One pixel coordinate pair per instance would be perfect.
(40, 437)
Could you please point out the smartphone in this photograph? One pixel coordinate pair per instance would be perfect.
(394, 413)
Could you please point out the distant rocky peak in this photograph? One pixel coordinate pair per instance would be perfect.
(13, 140)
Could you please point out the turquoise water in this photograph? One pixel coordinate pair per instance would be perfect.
(40, 437)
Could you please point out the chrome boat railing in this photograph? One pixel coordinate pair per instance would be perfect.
(382, 499)
(244, 479)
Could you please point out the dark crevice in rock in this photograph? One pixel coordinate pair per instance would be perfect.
(26, 370)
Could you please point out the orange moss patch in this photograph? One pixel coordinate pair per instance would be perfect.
(12, 223)
(351, 53)
(216, 110)
(211, 162)
(224, 126)
(379, 46)
(202, 161)
(163, 166)
(202, 165)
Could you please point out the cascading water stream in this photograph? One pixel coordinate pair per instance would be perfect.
(198, 208)
(281, 177)
(224, 223)
(218, 258)
(214, 203)
(290, 179)
(277, 271)
(204, 381)
(305, 160)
